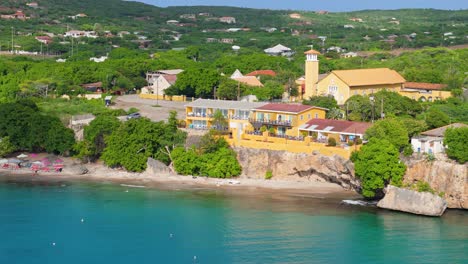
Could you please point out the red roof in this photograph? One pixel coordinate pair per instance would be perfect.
(92, 85)
(290, 108)
(339, 126)
(170, 78)
(425, 86)
(262, 72)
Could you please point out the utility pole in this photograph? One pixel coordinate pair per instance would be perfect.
(12, 42)
(157, 90)
(238, 91)
(382, 114)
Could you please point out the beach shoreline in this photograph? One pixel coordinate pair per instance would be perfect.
(100, 173)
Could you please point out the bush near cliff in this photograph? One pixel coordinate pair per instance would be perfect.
(213, 158)
(377, 164)
(456, 140)
(138, 139)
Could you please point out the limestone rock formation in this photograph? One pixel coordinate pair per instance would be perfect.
(422, 203)
(443, 176)
(155, 167)
(297, 167)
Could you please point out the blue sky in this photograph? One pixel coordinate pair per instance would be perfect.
(331, 5)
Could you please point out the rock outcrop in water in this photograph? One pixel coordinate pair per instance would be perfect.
(422, 203)
(443, 176)
(297, 166)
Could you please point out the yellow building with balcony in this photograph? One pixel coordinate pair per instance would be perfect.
(199, 113)
(285, 119)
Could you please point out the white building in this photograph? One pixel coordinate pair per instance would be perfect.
(80, 34)
(432, 141)
(159, 81)
(279, 50)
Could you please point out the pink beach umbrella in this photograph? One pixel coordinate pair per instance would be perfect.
(33, 155)
(58, 161)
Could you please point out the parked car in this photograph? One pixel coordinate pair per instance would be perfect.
(133, 115)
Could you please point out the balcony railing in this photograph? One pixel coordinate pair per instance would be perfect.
(260, 122)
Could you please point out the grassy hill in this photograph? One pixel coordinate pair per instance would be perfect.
(379, 29)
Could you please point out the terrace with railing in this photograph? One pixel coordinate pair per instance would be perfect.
(269, 122)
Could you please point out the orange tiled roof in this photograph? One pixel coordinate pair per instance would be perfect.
(289, 108)
(365, 77)
(249, 80)
(425, 86)
(262, 72)
(312, 52)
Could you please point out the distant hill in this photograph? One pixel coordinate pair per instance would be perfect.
(367, 30)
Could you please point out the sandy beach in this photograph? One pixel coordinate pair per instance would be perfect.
(98, 172)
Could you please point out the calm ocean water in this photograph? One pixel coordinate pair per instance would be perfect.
(203, 226)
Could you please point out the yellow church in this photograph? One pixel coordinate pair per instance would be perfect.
(342, 84)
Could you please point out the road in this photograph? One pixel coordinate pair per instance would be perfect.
(148, 108)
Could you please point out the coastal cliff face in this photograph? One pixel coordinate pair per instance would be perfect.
(443, 176)
(297, 167)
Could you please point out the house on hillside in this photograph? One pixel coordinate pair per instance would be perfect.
(44, 39)
(349, 55)
(432, 141)
(32, 5)
(159, 81)
(93, 87)
(188, 16)
(247, 80)
(172, 22)
(295, 16)
(279, 50)
(80, 34)
(227, 19)
(17, 15)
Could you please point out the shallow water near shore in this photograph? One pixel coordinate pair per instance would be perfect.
(86, 222)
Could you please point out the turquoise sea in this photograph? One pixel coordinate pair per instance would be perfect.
(72, 222)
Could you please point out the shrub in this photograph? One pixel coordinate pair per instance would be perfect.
(350, 143)
(263, 129)
(331, 142)
(422, 186)
(268, 174)
(408, 150)
(358, 141)
(132, 110)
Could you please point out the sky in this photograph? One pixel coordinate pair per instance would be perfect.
(330, 5)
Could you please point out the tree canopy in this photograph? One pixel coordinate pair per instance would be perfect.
(456, 140)
(376, 165)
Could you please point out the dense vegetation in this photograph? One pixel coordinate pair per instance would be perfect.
(213, 158)
(456, 141)
(134, 141)
(24, 127)
(376, 165)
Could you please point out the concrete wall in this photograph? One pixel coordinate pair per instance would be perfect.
(176, 98)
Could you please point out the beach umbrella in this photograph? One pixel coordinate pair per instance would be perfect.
(33, 155)
(22, 156)
(2, 161)
(58, 161)
(17, 161)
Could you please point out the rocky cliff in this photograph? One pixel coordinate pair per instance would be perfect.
(297, 167)
(409, 201)
(443, 176)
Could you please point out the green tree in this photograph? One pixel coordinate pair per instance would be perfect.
(138, 139)
(456, 141)
(390, 129)
(376, 165)
(6, 147)
(328, 102)
(219, 121)
(436, 118)
(229, 89)
(95, 133)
